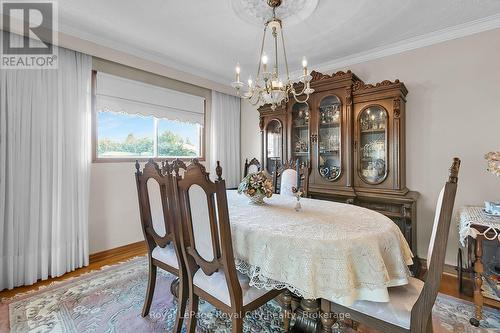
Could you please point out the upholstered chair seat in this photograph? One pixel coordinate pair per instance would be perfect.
(158, 212)
(251, 167)
(208, 251)
(287, 175)
(166, 255)
(398, 310)
(288, 181)
(217, 286)
(409, 309)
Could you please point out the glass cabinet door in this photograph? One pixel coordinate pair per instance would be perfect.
(329, 136)
(300, 132)
(373, 144)
(274, 149)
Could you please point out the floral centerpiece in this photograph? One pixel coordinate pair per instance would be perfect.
(493, 159)
(257, 186)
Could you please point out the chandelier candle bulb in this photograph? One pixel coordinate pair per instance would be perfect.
(304, 65)
(264, 63)
(238, 70)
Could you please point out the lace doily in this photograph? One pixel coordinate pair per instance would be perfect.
(470, 216)
(328, 250)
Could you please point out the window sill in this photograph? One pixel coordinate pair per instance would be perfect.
(142, 159)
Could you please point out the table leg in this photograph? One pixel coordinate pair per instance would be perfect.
(478, 281)
(327, 317)
(307, 316)
(287, 309)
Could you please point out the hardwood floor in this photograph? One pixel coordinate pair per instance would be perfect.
(97, 261)
(449, 284)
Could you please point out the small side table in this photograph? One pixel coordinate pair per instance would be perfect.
(475, 223)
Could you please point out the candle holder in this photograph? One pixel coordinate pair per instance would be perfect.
(298, 194)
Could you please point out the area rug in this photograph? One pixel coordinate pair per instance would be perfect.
(110, 300)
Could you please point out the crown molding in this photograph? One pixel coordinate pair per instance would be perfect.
(439, 36)
(212, 81)
(129, 55)
(160, 64)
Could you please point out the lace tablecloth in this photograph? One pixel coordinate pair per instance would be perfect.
(328, 250)
(476, 216)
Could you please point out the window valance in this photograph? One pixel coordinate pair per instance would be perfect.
(117, 94)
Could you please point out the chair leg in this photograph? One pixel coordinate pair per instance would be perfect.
(237, 323)
(193, 312)
(151, 289)
(182, 298)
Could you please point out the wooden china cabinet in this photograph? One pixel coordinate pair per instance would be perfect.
(353, 136)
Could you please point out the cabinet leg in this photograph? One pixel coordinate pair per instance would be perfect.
(478, 278)
(287, 309)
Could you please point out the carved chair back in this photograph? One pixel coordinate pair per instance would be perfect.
(206, 243)
(251, 167)
(288, 174)
(437, 249)
(156, 205)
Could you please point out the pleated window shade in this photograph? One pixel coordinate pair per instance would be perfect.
(117, 94)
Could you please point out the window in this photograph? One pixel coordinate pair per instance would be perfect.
(134, 120)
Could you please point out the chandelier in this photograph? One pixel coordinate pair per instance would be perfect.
(268, 87)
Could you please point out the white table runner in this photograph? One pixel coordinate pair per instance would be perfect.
(328, 250)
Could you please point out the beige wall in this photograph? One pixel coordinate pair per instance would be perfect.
(114, 211)
(250, 133)
(452, 110)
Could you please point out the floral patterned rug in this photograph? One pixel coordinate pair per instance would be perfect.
(111, 299)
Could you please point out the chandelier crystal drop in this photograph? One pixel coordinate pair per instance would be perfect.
(268, 86)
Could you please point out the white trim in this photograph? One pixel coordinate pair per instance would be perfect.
(132, 56)
(101, 47)
(435, 37)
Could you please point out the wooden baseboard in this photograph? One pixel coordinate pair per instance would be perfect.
(447, 269)
(118, 251)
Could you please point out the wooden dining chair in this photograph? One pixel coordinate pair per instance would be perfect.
(409, 309)
(208, 251)
(251, 167)
(287, 175)
(161, 231)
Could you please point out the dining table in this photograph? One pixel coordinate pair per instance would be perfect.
(325, 250)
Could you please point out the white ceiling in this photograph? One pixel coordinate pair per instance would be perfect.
(207, 38)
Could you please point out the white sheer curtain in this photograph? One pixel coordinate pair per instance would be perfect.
(225, 137)
(44, 170)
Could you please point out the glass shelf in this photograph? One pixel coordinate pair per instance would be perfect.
(373, 144)
(300, 132)
(274, 151)
(329, 137)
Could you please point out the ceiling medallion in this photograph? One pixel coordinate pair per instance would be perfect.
(256, 12)
(269, 87)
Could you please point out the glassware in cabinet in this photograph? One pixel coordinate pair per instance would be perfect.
(372, 124)
(329, 138)
(300, 132)
(274, 144)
